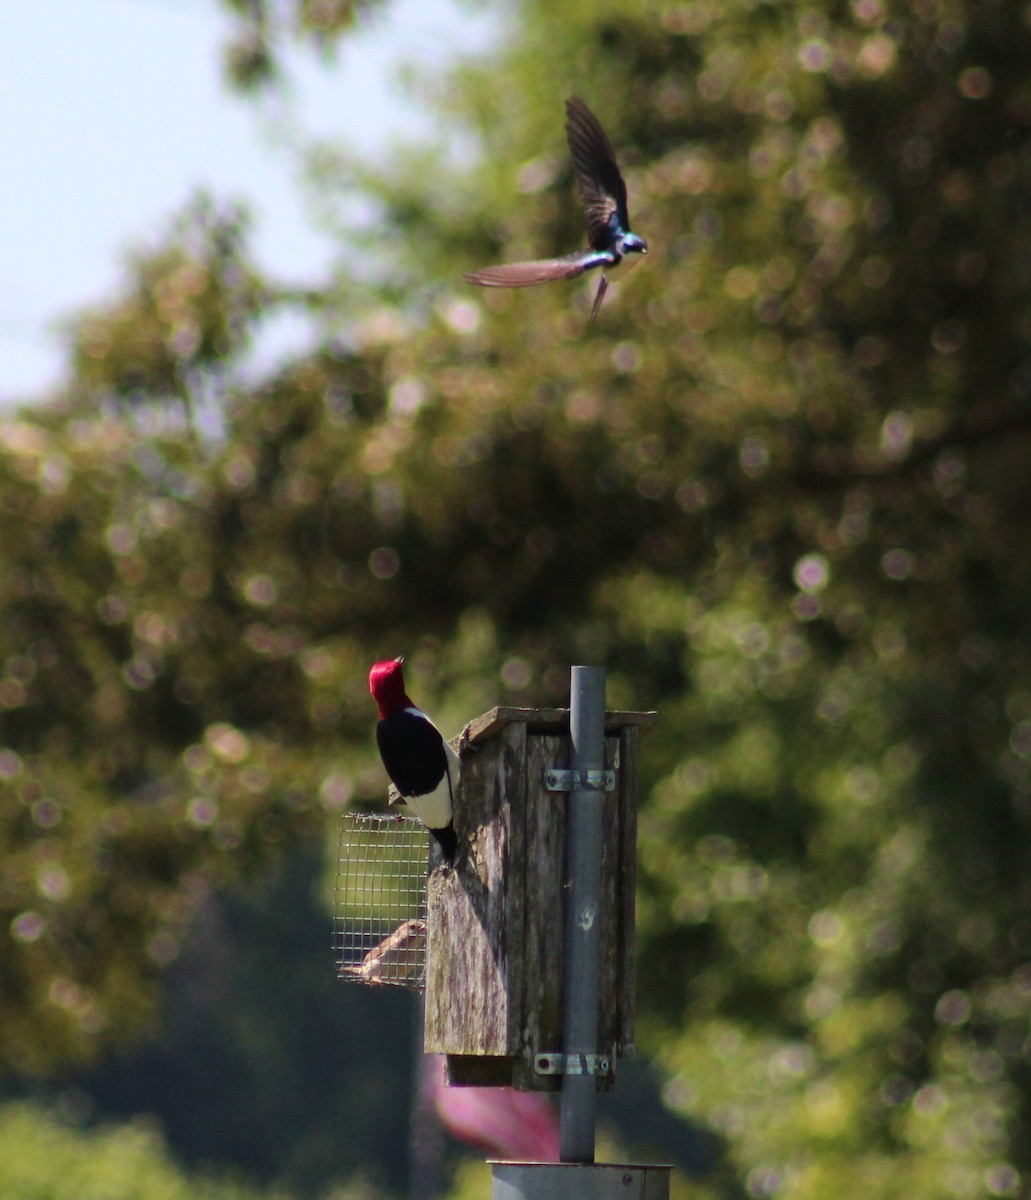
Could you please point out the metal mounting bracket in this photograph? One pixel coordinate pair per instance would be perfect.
(572, 1064)
(557, 779)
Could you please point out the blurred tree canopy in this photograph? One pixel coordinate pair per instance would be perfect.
(779, 489)
(41, 1157)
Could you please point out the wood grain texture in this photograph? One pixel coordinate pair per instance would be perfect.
(549, 720)
(496, 919)
(475, 924)
(626, 888)
(609, 948)
(545, 881)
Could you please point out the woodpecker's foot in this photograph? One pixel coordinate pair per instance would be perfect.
(465, 744)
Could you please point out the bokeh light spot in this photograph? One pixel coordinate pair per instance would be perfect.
(812, 573)
(384, 563)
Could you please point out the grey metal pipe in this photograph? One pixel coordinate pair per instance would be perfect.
(583, 906)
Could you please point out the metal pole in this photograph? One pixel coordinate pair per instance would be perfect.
(425, 1136)
(583, 870)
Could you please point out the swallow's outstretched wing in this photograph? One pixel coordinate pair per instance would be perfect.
(601, 187)
(526, 274)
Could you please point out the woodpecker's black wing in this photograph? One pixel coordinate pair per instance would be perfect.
(413, 753)
(601, 187)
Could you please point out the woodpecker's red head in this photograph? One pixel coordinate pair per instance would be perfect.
(387, 684)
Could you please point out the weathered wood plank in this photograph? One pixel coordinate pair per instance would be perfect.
(548, 720)
(470, 1070)
(609, 945)
(626, 888)
(496, 920)
(474, 926)
(541, 1027)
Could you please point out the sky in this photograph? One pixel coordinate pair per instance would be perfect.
(113, 113)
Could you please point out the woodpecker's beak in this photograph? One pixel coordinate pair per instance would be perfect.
(400, 659)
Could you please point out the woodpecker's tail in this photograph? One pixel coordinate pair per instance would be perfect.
(447, 839)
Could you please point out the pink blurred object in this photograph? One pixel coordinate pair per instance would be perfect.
(506, 1123)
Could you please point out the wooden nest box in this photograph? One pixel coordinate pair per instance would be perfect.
(496, 919)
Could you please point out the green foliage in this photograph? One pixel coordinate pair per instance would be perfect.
(188, 310)
(316, 1074)
(779, 489)
(44, 1159)
(251, 56)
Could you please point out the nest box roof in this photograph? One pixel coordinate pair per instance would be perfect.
(548, 720)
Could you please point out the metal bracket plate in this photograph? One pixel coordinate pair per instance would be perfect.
(572, 1064)
(559, 780)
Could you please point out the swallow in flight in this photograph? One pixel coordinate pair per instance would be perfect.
(603, 196)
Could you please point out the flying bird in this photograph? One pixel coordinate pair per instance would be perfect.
(603, 196)
(421, 764)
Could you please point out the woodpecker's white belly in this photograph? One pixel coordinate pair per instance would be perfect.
(436, 808)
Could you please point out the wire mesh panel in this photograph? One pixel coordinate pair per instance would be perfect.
(379, 918)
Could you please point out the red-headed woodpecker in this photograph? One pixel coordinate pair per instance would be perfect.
(420, 763)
